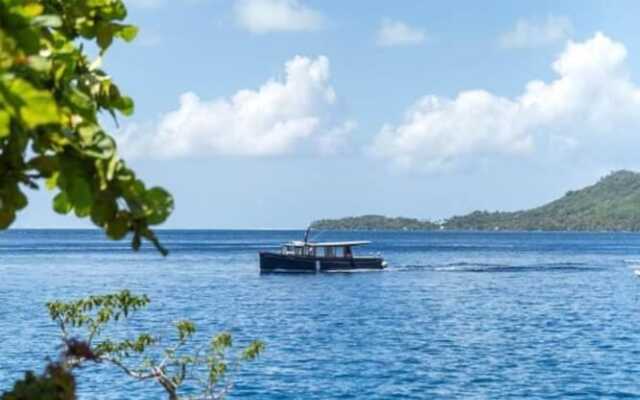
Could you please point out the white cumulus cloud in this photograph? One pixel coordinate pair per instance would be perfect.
(398, 33)
(535, 33)
(263, 16)
(275, 119)
(589, 107)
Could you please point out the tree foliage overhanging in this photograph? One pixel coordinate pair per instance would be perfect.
(51, 96)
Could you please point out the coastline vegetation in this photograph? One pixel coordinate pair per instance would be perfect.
(612, 204)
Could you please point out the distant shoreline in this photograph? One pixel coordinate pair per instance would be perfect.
(610, 205)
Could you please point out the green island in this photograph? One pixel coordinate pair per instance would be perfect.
(611, 204)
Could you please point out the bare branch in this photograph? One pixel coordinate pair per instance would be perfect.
(140, 375)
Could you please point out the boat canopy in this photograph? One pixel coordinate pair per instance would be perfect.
(328, 244)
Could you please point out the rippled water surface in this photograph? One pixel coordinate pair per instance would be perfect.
(457, 315)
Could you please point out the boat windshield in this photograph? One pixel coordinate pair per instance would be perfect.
(298, 250)
(332, 250)
(337, 251)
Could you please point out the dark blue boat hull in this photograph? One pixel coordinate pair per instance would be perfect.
(273, 262)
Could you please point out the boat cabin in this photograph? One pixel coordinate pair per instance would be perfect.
(321, 249)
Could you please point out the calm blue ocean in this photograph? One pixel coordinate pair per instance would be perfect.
(456, 315)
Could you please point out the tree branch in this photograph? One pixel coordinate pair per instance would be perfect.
(134, 374)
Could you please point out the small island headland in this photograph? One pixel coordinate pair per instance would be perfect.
(611, 204)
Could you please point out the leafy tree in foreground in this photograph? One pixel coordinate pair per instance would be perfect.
(51, 95)
(82, 325)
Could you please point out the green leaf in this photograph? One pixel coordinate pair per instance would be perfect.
(127, 32)
(61, 203)
(118, 227)
(81, 101)
(31, 10)
(160, 204)
(185, 329)
(222, 341)
(5, 120)
(253, 350)
(104, 209)
(52, 181)
(125, 105)
(37, 107)
(7, 216)
(79, 192)
(15, 197)
(60, 69)
(104, 36)
(133, 189)
(28, 40)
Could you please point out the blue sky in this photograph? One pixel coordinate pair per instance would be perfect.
(274, 113)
